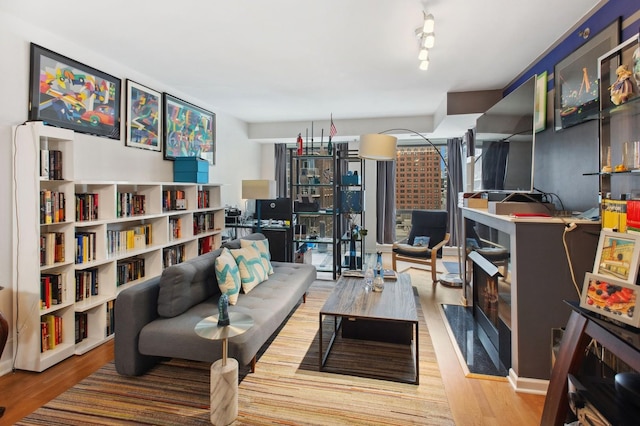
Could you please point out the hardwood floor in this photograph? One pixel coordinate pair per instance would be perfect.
(473, 401)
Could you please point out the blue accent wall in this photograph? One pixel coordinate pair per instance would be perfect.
(563, 157)
(601, 19)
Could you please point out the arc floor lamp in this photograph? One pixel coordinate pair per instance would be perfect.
(383, 147)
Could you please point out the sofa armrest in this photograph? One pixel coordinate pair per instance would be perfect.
(135, 307)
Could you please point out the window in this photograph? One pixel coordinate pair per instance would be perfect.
(420, 183)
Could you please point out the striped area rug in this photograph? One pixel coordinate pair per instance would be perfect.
(286, 388)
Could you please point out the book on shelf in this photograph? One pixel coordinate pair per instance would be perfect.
(81, 326)
(51, 332)
(51, 290)
(203, 199)
(87, 283)
(128, 270)
(87, 206)
(44, 163)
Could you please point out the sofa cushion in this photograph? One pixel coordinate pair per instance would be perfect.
(187, 284)
(252, 271)
(228, 275)
(263, 248)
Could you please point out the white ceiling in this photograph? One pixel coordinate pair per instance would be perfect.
(294, 60)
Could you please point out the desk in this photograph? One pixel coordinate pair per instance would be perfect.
(540, 282)
(224, 372)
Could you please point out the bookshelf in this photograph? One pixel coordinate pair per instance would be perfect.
(106, 236)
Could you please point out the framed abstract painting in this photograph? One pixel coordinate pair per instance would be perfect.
(65, 93)
(144, 118)
(189, 131)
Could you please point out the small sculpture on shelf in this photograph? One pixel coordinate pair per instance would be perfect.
(223, 311)
(622, 89)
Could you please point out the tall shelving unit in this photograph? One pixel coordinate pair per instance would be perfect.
(331, 202)
(350, 186)
(312, 190)
(116, 235)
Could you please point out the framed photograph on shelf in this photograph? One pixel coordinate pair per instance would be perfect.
(65, 93)
(576, 79)
(540, 103)
(189, 131)
(617, 256)
(611, 298)
(144, 118)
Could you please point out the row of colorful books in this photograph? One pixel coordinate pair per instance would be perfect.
(174, 199)
(87, 207)
(52, 289)
(51, 332)
(51, 164)
(202, 222)
(87, 284)
(51, 248)
(203, 199)
(86, 247)
(52, 206)
(128, 270)
(135, 238)
(621, 215)
(173, 255)
(175, 228)
(130, 204)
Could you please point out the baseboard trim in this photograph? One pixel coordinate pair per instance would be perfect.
(527, 385)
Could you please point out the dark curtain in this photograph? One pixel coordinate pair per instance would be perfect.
(386, 202)
(494, 164)
(455, 185)
(281, 170)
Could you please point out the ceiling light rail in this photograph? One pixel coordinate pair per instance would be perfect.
(427, 39)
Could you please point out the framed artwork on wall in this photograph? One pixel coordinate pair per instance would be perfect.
(611, 298)
(144, 118)
(617, 255)
(540, 105)
(65, 93)
(189, 131)
(577, 92)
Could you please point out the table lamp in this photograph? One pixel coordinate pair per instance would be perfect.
(258, 189)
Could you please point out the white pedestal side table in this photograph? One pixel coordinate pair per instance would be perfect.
(224, 372)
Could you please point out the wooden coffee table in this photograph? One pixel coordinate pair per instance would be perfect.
(394, 307)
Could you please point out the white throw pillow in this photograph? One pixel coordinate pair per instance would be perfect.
(252, 270)
(263, 248)
(228, 275)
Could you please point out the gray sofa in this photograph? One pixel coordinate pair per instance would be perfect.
(188, 292)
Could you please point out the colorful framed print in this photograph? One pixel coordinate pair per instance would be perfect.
(577, 92)
(540, 103)
(189, 131)
(617, 255)
(611, 298)
(144, 118)
(65, 93)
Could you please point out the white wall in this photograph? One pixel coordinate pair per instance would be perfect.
(100, 159)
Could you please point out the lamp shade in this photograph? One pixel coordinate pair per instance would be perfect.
(258, 189)
(378, 147)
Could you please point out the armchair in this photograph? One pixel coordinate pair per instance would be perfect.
(424, 223)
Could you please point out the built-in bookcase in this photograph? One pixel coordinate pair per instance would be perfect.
(105, 235)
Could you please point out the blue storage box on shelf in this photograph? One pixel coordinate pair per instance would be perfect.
(190, 169)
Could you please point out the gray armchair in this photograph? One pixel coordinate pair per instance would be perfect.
(424, 223)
